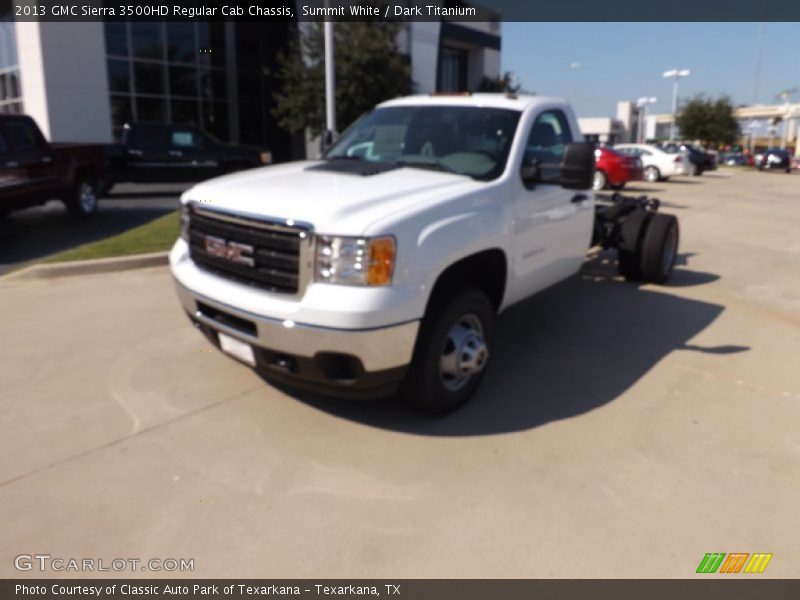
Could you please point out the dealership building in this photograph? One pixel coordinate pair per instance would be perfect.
(82, 81)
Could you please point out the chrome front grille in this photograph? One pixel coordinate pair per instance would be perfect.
(271, 255)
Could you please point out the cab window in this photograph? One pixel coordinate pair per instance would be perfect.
(186, 138)
(22, 135)
(547, 140)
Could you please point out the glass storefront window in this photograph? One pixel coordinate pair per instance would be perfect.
(10, 88)
(185, 112)
(148, 78)
(116, 38)
(119, 76)
(183, 81)
(181, 42)
(167, 72)
(147, 40)
(151, 109)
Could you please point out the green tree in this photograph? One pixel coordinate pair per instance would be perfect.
(711, 121)
(369, 70)
(505, 83)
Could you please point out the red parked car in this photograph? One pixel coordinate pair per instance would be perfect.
(614, 170)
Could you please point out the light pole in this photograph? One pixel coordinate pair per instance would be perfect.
(675, 75)
(330, 84)
(642, 104)
(785, 96)
(752, 126)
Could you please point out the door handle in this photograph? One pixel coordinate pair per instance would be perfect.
(12, 164)
(135, 152)
(578, 198)
(175, 153)
(46, 159)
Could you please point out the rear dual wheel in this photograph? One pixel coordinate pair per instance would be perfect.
(654, 257)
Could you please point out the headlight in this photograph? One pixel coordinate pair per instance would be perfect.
(185, 222)
(354, 261)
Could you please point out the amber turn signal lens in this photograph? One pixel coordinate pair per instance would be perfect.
(381, 261)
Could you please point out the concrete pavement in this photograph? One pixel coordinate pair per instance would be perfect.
(622, 431)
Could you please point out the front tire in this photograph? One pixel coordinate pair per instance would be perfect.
(452, 351)
(81, 200)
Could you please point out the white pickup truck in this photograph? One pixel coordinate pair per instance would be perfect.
(380, 267)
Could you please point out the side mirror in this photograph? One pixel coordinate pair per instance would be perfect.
(577, 167)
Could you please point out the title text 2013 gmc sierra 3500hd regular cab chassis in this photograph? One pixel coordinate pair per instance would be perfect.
(381, 267)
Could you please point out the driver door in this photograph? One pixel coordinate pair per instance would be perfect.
(552, 225)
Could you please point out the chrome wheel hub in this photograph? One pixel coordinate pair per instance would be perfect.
(87, 197)
(465, 353)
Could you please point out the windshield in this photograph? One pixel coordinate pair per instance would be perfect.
(466, 140)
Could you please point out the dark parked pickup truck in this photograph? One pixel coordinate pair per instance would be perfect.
(160, 152)
(33, 171)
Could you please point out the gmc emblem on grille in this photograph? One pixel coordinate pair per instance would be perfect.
(233, 251)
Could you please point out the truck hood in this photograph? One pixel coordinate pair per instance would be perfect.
(333, 202)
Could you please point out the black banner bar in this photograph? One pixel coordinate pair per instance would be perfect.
(403, 589)
(400, 10)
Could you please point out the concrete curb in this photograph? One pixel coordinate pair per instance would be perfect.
(88, 267)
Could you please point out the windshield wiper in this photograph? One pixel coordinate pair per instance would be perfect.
(344, 157)
(422, 164)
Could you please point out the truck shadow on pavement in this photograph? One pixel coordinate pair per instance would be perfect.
(571, 349)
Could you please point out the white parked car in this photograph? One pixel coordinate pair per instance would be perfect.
(380, 267)
(658, 165)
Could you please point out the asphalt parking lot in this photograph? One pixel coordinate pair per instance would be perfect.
(32, 234)
(622, 431)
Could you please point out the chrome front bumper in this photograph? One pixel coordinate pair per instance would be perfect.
(379, 349)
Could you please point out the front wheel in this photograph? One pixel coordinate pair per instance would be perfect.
(81, 200)
(452, 352)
